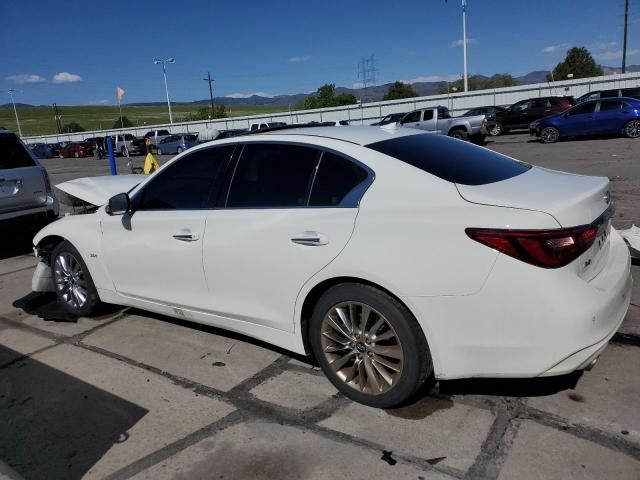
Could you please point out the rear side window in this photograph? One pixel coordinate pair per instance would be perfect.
(451, 160)
(609, 93)
(272, 175)
(611, 105)
(13, 154)
(336, 179)
(190, 183)
(631, 92)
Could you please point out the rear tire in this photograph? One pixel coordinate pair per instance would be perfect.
(381, 362)
(549, 135)
(632, 129)
(74, 286)
(460, 134)
(123, 152)
(180, 150)
(159, 152)
(498, 129)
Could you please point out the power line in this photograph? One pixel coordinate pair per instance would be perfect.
(624, 43)
(210, 80)
(367, 71)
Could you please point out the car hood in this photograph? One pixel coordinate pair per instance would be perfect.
(95, 190)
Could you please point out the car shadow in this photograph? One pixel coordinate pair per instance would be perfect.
(18, 243)
(55, 425)
(510, 387)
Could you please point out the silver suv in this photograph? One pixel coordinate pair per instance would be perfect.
(25, 189)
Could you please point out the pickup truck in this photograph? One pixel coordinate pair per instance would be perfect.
(438, 120)
(260, 126)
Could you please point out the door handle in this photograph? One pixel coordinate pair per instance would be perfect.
(311, 239)
(186, 237)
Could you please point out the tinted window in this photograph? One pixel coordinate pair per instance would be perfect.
(521, 106)
(609, 94)
(590, 96)
(13, 154)
(541, 103)
(611, 105)
(428, 115)
(631, 92)
(458, 162)
(272, 175)
(583, 108)
(336, 178)
(443, 113)
(411, 117)
(190, 183)
(162, 132)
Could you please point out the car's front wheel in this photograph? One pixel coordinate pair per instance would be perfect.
(549, 135)
(74, 285)
(632, 129)
(159, 151)
(369, 345)
(459, 133)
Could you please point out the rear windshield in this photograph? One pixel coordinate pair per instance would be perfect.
(13, 154)
(452, 160)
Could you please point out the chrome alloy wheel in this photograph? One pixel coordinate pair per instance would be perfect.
(70, 280)
(632, 129)
(361, 347)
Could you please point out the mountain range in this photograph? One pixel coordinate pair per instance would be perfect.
(372, 94)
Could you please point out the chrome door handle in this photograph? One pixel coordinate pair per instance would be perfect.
(312, 239)
(186, 237)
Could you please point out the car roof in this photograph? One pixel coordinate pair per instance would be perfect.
(360, 135)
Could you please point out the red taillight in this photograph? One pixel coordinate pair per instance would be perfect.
(543, 248)
(47, 182)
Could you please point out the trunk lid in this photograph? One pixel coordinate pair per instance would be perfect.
(22, 183)
(573, 200)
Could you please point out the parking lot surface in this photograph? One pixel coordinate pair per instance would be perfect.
(131, 394)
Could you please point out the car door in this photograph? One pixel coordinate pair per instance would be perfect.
(580, 120)
(610, 117)
(155, 253)
(412, 119)
(290, 210)
(518, 114)
(538, 108)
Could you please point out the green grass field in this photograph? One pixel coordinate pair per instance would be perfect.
(40, 121)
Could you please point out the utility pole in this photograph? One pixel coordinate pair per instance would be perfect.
(210, 80)
(367, 72)
(464, 42)
(57, 117)
(11, 92)
(158, 61)
(624, 42)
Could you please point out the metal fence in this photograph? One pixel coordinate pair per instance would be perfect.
(457, 102)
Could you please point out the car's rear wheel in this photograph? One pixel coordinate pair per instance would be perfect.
(74, 285)
(497, 129)
(159, 151)
(369, 345)
(632, 129)
(123, 152)
(459, 133)
(76, 154)
(180, 150)
(549, 135)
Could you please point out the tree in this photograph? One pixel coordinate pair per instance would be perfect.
(72, 127)
(400, 90)
(123, 122)
(578, 62)
(326, 96)
(205, 113)
(478, 82)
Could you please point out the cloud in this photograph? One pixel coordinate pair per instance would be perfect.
(26, 78)
(303, 58)
(247, 95)
(561, 47)
(104, 101)
(433, 78)
(66, 77)
(602, 46)
(460, 42)
(614, 54)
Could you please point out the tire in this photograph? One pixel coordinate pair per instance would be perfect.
(498, 129)
(460, 134)
(73, 283)
(549, 135)
(123, 152)
(180, 150)
(632, 129)
(158, 151)
(403, 338)
(60, 155)
(76, 154)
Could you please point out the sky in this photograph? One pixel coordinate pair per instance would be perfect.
(79, 52)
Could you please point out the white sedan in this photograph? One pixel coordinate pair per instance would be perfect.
(391, 255)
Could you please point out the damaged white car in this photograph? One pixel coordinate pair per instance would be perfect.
(393, 256)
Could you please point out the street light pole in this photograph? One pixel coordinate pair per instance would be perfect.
(15, 110)
(166, 88)
(464, 41)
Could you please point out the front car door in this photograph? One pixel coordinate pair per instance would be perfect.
(155, 253)
(289, 212)
(412, 119)
(518, 114)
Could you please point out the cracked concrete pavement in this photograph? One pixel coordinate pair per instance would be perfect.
(136, 395)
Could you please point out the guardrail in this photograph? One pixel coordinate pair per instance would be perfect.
(457, 102)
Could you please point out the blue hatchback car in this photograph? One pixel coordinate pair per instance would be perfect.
(597, 117)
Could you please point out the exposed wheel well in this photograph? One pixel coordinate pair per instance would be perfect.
(46, 246)
(316, 292)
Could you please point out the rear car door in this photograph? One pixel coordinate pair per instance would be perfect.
(518, 114)
(290, 211)
(580, 120)
(610, 117)
(22, 181)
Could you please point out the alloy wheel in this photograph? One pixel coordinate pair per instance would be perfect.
(632, 129)
(70, 280)
(362, 348)
(549, 135)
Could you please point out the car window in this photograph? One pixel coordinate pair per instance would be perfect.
(190, 183)
(558, 102)
(541, 103)
(427, 115)
(471, 112)
(336, 178)
(13, 154)
(611, 105)
(163, 132)
(609, 93)
(453, 161)
(412, 117)
(443, 113)
(590, 96)
(272, 175)
(583, 108)
(521, 106)
(631, 92)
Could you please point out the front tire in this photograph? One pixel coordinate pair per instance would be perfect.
(159, 152)
(549, 135)
(74, 286)
(632, 129)
(369, 345)
(459, 134)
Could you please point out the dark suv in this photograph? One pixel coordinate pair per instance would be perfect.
(519, 115)
(613, 93)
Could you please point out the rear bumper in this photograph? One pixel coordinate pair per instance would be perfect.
(527, 322)
(49, 209)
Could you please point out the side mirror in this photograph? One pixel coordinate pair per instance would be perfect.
(119, 204)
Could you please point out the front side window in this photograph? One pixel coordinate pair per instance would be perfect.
(190, 183)
(412, 117)
(272, 175)
(428, 115)
(443, 113)
(521, 106)
(335, 182)
(13, 154)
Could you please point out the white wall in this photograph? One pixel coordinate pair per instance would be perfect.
(370, 112)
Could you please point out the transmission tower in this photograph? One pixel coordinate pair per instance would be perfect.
(367, 72)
